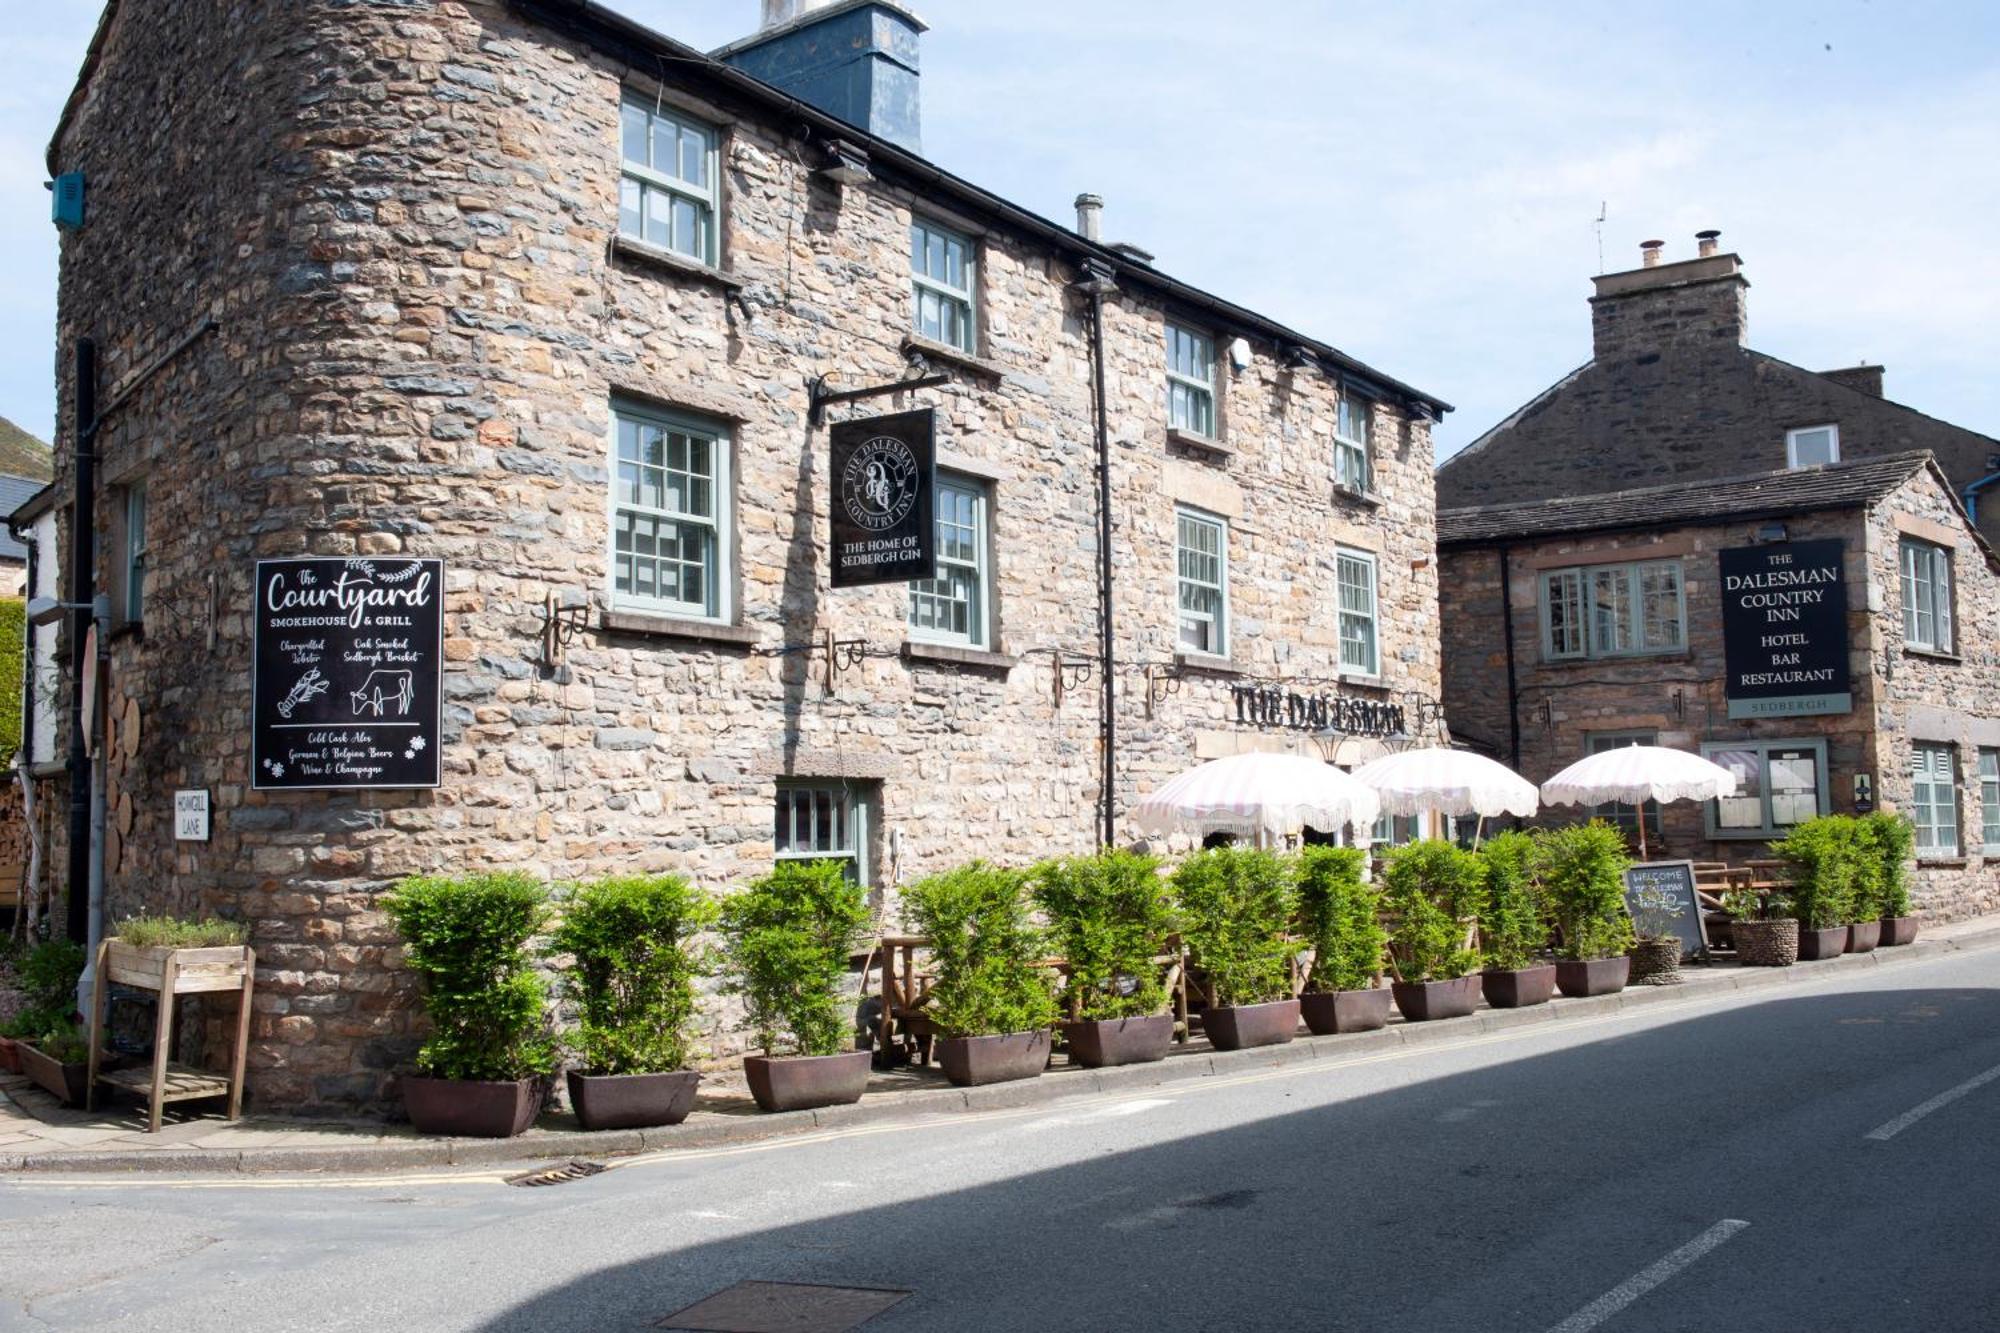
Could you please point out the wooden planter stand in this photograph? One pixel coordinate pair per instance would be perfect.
(167, 973)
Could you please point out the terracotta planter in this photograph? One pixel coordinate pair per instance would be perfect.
(1099, 1042)
(1898, 931)
(472, 1108)
(71, 1082)
(1000, 1057)
(1328, 1012)
(1766, 943)
(1655, 963)
(1519, 988)
(10, 1056)
(1422, 1001)
(1592, 976)
(1235, 1027)
(800, 1082)
(1863, 936)
(631, 1101)
(1818, 944)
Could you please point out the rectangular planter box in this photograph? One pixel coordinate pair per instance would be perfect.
(1898, 931)
(1817, 944)
(1518, 990)
(198, 970)
(1422, 1001)
(1099, 1043)
(1330, 1012)
(1577, 978)
(67, 1081)
(999, 1057)
(631, 1101)
(1236, 1026)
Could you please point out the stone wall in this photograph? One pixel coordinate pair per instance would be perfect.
(409, 246)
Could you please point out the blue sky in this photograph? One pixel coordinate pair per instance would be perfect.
(1415, 183)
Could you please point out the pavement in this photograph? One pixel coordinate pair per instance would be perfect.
(38, 1134)
(1812, 1154)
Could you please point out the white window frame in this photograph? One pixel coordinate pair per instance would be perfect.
(1989, 801)
(1183, 516)
(977, 571)
(1577, 584)
(1343, 557)
(1792, 444)
(1934, 799)
(1767, 828)
(716, 607)
(134, 591)
(706, 196)
(1353, 463)
(1927, 595)
(1193, 409)
(963, 299)
(853, 804)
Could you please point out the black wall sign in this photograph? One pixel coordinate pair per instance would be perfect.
(1660, 896)
(1784, 629)
(1261, 707)
(883, 474)
(346, 687)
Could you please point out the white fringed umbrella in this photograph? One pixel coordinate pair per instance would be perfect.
(1635, 774)
(1261, 796)
(1449, 782)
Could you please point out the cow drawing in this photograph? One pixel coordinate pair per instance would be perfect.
(380, 690)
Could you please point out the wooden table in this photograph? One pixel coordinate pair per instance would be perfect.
(167, 973)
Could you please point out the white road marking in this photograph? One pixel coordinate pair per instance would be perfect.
(1632, 1288)
(1130, 1108)
(1890, 1129)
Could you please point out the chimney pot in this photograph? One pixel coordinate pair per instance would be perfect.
(1089, 210)
(1704, 242)
(1649, 253)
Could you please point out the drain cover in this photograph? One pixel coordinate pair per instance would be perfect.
(557, 1175)
(784, 1307)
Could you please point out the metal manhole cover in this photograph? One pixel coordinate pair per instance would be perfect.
(784, 1307)
(557, 1175)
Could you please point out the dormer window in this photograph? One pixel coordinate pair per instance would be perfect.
(1811, 446)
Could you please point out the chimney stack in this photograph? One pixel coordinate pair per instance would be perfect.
(1682, 306)
(1649, 253)
(856, 61)
(1089, 209)
(1704, 242)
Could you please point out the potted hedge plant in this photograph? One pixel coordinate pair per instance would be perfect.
(1341, 917)
(1820, 858)
(1892, 839)
(990, 997)
(1109, 917)
(47, 977)
(483, 1070)
(1581, 869)
(1513, 929)
(1433, 890)
(1235, 908)
(787, 939)
(631, 974)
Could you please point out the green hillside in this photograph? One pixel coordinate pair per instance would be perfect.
(22, 455)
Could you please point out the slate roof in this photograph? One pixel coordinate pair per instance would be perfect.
(15, 492)
(1850, 485)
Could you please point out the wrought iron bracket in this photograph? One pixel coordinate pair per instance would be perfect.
(820, 397)
(1067, 674)
(837, 656)
(1160, 682)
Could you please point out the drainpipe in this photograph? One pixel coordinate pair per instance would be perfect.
(82, 587)
(1507, 633)
(1096, 284)
(1971, 494)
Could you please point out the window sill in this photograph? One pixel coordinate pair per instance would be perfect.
(932, 350)
(1204, 444)
(1359, 681)
(1617, 659)
(50, 768)
(1352, 496)
(1931, 655)
(626, 247)
(1206, 664)
(917, 650)
(1943, 862)
(673, 627)
(130, 629)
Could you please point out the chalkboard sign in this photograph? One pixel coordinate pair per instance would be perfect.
(884, 529)
(345, 691)
(1661, 898)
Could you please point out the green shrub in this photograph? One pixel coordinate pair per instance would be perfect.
(984, 951)
(1235, 906)
(1747, 905)
(1433, 889)
(1830, 872)
(634, 961)
(167, 932)
(63, 1041)
(13, 646)
(1109, 917)
(47, 976)
(467, 937)
(1513, 929)
(1341, 919)
(1892, 840)
(1581, 870)
(787, 938)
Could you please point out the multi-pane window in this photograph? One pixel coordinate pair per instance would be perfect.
(670, 504)
(824, 822)
(1989, 801)
(1202, 551)
(667, 185)
(135, 552)
(1626, 817)
(1350, 445)
(1778, 784)
(1810, 446)
(952, 605)
(1360, 651)
(1613, 610)
(1934, 799)
(1190, 381)
(941, 277)
(1926, 596)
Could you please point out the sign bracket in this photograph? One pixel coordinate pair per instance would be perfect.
(820, 397)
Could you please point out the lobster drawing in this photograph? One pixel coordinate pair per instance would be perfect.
(308, 686)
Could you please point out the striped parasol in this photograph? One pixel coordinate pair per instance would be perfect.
(1449, 782)
(1259, 796)
(1634, 774)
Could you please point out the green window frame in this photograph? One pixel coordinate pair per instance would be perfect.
(824, 821)
(670, 511)
(1779, 783)
(1201, 550)
(669, 192)
(953, 606)
(1927, 618)
(1934, 798)
(135, 552)
(1352, 463)
(943, 276)
(1360, 621)
(1989, 801)
(1635, 609)
(1190, 381)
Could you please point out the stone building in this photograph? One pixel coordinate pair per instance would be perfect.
(532, 290)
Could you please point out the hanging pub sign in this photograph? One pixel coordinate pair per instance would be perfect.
(346, 688)
(1784, 629)
(883, 474)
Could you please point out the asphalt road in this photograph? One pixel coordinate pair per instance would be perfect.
(1707, 1166)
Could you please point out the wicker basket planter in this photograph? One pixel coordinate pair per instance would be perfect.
(1656, 962)
(1766, 943)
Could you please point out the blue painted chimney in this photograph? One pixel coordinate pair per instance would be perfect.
(853, 59)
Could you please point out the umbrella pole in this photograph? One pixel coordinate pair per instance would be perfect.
(1478, 831)
(1642, 830)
